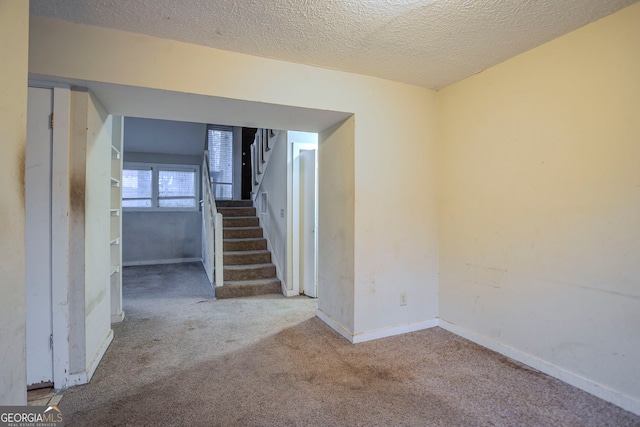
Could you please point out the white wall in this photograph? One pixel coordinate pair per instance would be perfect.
(336, 200)
(89, 234)
(540, 207)
(14, 27)
(97, 290)
(164, 136)
(161, 237)
(393, 223)
(274, 183)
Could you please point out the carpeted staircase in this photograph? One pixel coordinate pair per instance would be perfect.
(247, 262)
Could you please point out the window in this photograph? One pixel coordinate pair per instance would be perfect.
(220, 145)
(159, 187)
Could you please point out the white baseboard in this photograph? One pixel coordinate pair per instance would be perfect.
(161, 261)
(626, 402)
(395, 330)
(117, 318)
(376, 334)
(80, 378)
(274, 259)
(93, 365)
(336, 326)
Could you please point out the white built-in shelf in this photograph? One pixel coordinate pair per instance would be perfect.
(115, 212)
(115, 182)
(115, 241)
(115, 153)
(114, 269)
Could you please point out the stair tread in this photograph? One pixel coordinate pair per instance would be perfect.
(241, 239)
(251, 227)
(247, 266)
(251, 252)
(240, 217)
(251, 282)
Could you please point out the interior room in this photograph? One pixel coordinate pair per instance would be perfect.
(477, 180)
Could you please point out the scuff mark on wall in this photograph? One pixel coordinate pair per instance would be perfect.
(77, 194)
(22, 165)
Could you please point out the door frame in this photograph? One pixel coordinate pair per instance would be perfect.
(296, 141)
(62, 378)
(38, 247)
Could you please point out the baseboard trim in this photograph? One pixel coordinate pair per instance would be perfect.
(93, 365)
(81, 378)
(161, 261)
(117, 318)
(336, 326)
(376, 334)
(395, 330)
(625, 402)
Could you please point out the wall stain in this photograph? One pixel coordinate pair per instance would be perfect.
(22, 170)
(77, 194)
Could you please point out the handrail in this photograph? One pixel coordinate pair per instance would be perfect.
(213, 235)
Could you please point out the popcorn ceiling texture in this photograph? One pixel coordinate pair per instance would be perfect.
(429, 43)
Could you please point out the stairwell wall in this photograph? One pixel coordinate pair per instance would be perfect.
(274, 225)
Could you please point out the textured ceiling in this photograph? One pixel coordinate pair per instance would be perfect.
(429, 43)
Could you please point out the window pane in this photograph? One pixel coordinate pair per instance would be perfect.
(177, 203)
(222, 191)
(136, 184)
(220, 140)
(136, 203)
(176, 183)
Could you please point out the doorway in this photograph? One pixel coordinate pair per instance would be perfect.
(39, 319)
(304, 205)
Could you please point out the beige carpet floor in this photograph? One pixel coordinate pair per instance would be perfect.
(181, 358)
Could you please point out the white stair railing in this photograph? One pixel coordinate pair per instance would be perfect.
(212, 234)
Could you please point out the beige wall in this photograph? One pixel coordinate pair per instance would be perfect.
(540, 204)
(14, 27)
(97, 230)
(89, 250)
(394, 145)
(336, 199)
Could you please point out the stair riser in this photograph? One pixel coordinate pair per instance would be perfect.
(244, 259)
(231, 212)
(250, 273)
(240, 222)
(232, 233)
(224, 292)
(248, 245)
(234, 204)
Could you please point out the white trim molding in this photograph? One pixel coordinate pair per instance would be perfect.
(378, 333)
(160, 261)
(395, 330)
(336, 326)
(625, 402)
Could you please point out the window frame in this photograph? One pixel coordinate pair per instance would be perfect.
(155, 186)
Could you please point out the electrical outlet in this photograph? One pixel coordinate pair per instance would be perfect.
(403, 298)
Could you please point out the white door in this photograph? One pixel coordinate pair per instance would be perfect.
(38, 238)
(308, 222)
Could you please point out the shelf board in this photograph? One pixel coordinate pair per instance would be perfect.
(115, 153)
(115, 212)
(115, 182)
(114, 269)
(115, 241)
